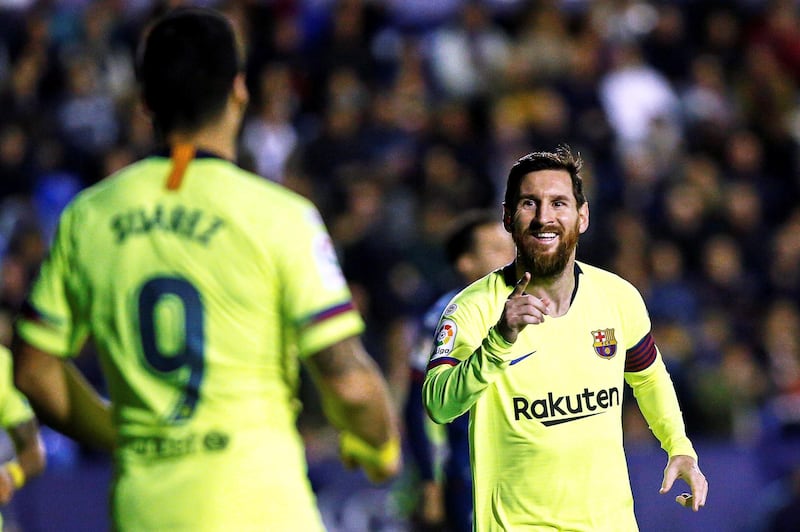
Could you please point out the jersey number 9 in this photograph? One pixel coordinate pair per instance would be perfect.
(171, 328)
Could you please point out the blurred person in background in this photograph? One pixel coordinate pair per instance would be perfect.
(777, 508)
(475, 245)
(545, 401)
(784, 275)
(467, 53)
(269, 135)
(203, 288)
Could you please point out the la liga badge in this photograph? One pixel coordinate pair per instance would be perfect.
(445, 338)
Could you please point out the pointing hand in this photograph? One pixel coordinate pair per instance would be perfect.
(520, 310)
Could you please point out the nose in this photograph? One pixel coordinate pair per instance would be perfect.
(543, 214)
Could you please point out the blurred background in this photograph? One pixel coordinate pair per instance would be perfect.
(396, 115)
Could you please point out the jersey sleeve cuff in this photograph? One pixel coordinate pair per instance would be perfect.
(328, 332)
(496, 347)
(682, 448)
(42, 337)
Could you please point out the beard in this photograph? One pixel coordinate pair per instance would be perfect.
(546, 264)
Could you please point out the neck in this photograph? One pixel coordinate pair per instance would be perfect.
(211, 141)
(558, 288)
(218, 137)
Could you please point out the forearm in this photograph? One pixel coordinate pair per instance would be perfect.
(658, 403)
(366, 413)
(29, 448)
(354, 393)
(62, 398)
(449, 391)
(89, 418)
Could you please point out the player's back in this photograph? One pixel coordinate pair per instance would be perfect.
(191, 295)
(185, 288)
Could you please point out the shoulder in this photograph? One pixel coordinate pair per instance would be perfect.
(121, 182)
(609, 286)
(261, 185)
(257, 191)
(604, 278)
(219, 179)
(482, 297)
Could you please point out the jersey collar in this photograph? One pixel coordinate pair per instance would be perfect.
(510, 277)
(199, 154)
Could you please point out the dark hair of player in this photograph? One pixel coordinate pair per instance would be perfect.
(185, 66)
(560, 159)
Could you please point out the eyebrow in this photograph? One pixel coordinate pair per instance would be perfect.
(552, 198)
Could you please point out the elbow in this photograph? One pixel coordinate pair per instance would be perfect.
(33, 458)
(24, 368)
(437, 416)
(38, 462)
(22, 382)
(434, 405)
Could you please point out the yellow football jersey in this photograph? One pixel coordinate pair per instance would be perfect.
(545, 418)
(201, 296)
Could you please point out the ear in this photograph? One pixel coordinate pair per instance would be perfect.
(464, 265)
(583, 217)
(240, 92)
(507, 219)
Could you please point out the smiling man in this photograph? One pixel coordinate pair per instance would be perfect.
(545, 401)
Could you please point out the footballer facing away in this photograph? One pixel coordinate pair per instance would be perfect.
(203, 288)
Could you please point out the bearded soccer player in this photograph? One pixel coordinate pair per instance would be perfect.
(203, 287)
(538, 353)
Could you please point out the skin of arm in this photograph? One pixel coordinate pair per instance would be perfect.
(356, 400)
(61, 397)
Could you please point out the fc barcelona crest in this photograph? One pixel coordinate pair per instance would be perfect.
(605, 345)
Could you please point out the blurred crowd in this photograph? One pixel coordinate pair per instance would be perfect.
(396, 115)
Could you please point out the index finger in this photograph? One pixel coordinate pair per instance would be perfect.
(521, 285)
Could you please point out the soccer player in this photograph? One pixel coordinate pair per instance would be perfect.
(538, 353)
(18, 420)
(476, 244)
(203, 287)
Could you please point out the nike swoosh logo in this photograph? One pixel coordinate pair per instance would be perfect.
(523, 357)
(567, 420)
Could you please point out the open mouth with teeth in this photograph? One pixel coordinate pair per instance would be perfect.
(545, 236)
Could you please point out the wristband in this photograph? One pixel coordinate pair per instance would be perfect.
(364, 453)
(16, 473)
